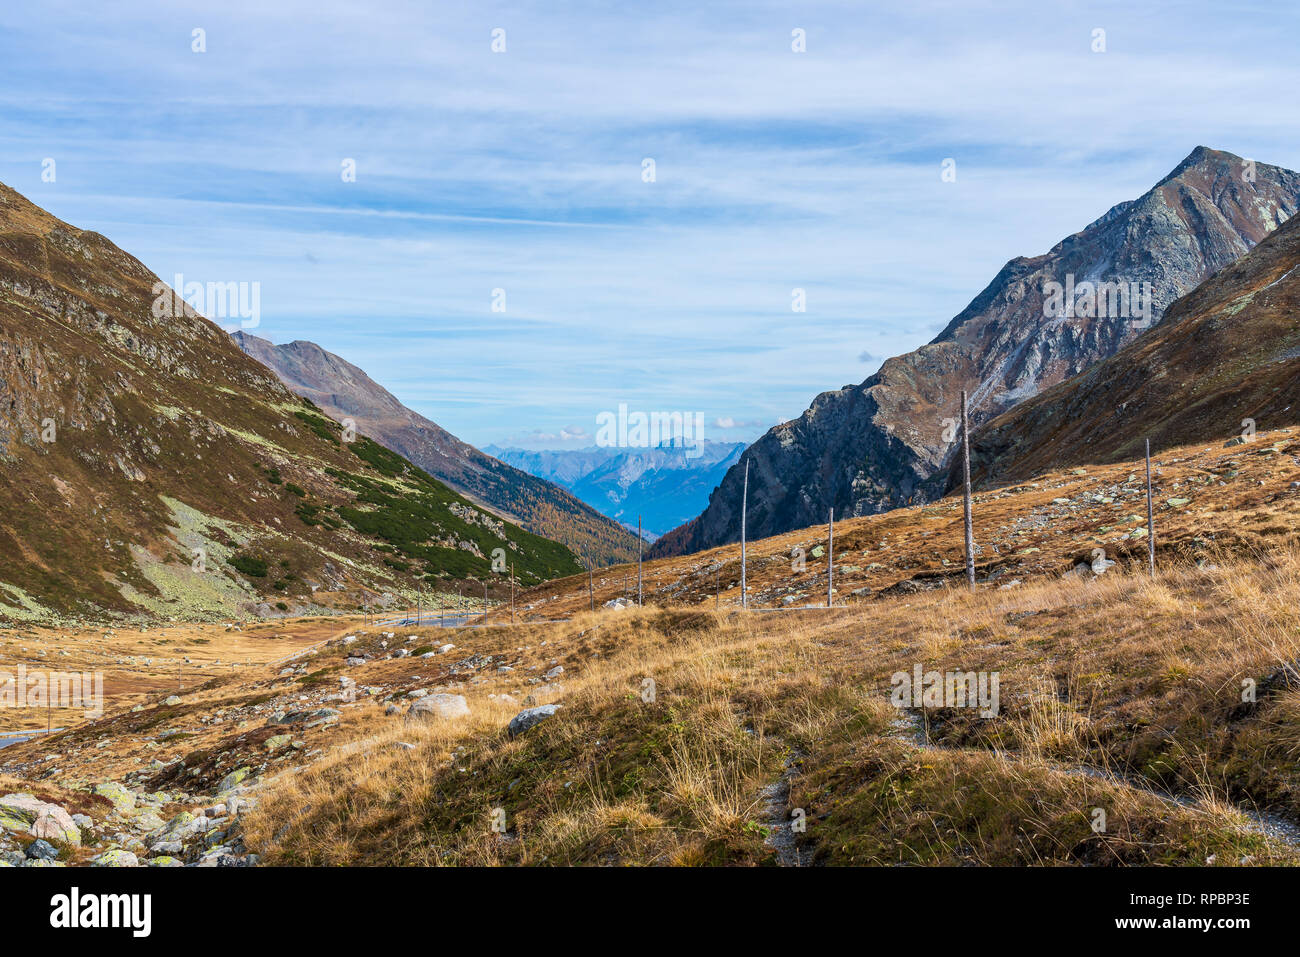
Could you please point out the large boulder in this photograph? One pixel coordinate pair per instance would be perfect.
(24, 812)
(442, 707)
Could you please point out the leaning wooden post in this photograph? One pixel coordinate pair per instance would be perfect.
(830, 559)
(744, 506)
(965, 469)
(591, 590)
(1151, 518)
(640, 547)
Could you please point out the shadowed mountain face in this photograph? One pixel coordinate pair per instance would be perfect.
(876, 446)
(148, 466)
(664, 486)
(1225, 353)
(345, 391)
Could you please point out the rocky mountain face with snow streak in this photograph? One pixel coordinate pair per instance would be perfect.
(879, 445)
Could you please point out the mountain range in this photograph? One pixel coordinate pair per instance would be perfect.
(664, 486)
(344, 391)
(149, 468)
(885, 443)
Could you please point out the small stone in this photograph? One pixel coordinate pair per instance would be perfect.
(40, 850)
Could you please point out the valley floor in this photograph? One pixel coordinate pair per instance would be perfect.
(1138, 721)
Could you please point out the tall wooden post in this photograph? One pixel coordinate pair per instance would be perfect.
(830, 559)
(485, 604)
(1151, 518)
(744, 506)
(640, 547)
(965, 471)
(591, 590)
(512, 593)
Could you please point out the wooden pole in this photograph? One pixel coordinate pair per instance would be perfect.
(512, 593)
(640, 547)
(830, 559)
(744, 507)
(965, 469)
(1151, 518)
(591, 590)
(485, 604)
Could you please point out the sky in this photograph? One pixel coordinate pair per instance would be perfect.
(504, 262)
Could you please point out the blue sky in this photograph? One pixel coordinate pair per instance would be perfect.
(522, 171)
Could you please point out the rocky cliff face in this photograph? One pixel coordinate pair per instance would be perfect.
(879, 445)
(1226, 357)
(345, 391)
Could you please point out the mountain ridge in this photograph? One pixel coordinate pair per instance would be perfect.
(1226, 356)
(876, 446)
(148, 468)
(344, 390)
(663, 485)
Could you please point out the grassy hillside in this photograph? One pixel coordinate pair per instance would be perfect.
(149, 468)
(344, 391)
(1118, 694)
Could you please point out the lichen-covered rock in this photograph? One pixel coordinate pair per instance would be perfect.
(233, 780)
(123, 800)
(115, 858)
(24, 812)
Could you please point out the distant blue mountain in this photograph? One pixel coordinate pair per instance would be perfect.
(665, 485)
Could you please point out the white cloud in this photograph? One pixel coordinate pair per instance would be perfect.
(521, 171)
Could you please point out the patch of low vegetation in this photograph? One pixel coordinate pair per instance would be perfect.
(251, 565)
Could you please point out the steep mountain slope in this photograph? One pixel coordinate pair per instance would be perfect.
(345, 391)
(148, 466)
(664, 485)
(1227, 352)
(872, 447)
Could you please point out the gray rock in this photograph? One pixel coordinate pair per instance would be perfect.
(115, 858)
(41, 850)
(439, 706)
(530, 717)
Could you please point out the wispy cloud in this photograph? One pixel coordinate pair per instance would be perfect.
(523, 172)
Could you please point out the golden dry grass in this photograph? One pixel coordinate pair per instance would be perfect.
(1119, 693)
